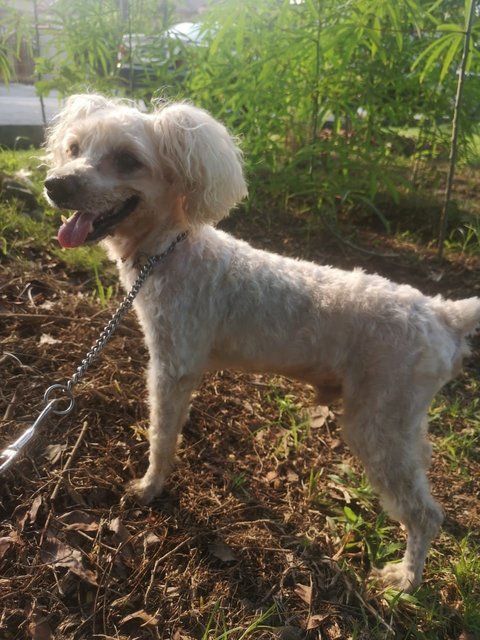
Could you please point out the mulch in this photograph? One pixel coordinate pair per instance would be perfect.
(237, 535)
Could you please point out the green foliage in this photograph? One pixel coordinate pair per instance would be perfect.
(104, 293)
(216, 628)
(84, 43)
(277, 72)
(295, 426)
(84, 37)
(317, 90)
(14, 30)
(19, 231)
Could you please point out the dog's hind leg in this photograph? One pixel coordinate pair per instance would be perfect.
(394, 450)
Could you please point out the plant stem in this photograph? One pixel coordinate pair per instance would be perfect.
(455, 130)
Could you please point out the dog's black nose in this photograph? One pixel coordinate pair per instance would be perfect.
(62, 189)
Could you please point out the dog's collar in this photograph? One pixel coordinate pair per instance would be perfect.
(142, 258)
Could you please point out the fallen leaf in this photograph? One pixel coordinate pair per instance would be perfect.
(222, 551)
(54, 451)
(151, 538)
(146, 618)
(36, 504)
(56, 552)
(315, 621)
(122, 537)
(292, 476)
(271, 476)
(38, 627)
(117, 527)
(318, 416)
(21, 516)
(5, 544)
(39, 630)
(79, 521)
(27, 513)
(304, 592)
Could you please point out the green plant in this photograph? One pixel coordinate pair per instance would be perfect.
(465, 238)
(317, 90)
(104, 293)
(15, 31)
(216, 628)
(295, 425)
(88, 35)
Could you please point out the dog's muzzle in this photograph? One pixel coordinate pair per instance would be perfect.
(84, 225)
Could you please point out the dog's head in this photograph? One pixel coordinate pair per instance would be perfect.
(111, 163)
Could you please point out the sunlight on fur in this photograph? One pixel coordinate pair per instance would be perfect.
(135, 181)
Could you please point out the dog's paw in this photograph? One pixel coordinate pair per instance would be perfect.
(396, 575)
(144, 491)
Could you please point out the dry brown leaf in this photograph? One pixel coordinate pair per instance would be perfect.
(315, 621)
(79, 521)
(222, 551)
(151, 538)
(117, 527)
(122, 537)
(146, 618)
(292, 476)
(33, 511)
(318, 416)
(304, 592)
(271, 476)
(53, 452)
(39, 630)
(5, 544)
(58, 553)
(21, 516)
(27, 513)
(38, 627)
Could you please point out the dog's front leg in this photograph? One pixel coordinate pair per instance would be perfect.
(169, 398)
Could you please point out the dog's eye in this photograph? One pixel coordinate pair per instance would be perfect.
(127, 162)
(73, 150)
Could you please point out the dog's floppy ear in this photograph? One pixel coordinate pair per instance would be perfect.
(201, 160)
(76, 108)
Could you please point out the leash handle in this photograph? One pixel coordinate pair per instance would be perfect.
(8, 455)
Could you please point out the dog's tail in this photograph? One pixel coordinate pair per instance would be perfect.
(462, 316)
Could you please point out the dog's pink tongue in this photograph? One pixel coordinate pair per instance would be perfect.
(74, 231)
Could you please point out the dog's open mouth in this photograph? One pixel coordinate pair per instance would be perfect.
(86, 226)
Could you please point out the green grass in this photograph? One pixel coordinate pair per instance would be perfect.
(294, 423)
(20, 231)
(216, 628)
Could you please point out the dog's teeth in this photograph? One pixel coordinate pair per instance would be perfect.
(64, 218)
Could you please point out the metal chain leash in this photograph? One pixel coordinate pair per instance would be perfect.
(65, 391)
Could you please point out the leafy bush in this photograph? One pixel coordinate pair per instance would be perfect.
(328, 97)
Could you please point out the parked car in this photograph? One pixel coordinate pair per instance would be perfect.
(142, 58)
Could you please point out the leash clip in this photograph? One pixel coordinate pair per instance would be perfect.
(8, 455)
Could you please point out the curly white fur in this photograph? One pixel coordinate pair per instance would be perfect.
(216, 302)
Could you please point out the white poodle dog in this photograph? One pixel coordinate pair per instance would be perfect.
(137, 180)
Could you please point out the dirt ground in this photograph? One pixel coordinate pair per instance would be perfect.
(237, 539)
